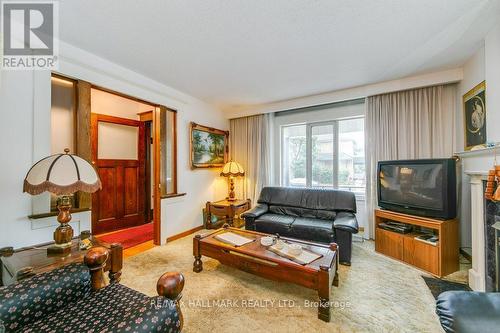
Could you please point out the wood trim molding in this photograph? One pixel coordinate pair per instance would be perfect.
(156, 128)
(184, 234)
(146, 116)
(173, 195)
(83, 132)
(49, 214)
(116, 120)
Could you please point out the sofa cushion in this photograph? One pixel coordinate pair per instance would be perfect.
(115, 308)
(312, 229)
(303, 212)
(467, 311)
(274, 223)
(34, 298)
(317, 199)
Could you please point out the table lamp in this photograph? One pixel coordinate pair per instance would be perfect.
(232, 169)
(63, 175)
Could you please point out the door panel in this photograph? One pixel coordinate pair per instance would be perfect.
(107, 208)
(131, 190)
(121, 202)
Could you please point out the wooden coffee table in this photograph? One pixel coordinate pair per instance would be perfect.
(254, 258)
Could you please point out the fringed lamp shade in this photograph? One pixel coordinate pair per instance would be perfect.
(61, 174)
(232, 169)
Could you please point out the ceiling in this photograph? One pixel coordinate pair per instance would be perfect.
(244, 52)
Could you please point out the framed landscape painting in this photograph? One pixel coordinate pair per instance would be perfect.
(475, 116)
(209, 147)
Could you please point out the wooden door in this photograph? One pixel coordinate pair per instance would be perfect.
(121, 203)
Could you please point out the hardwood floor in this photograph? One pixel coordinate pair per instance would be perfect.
(132, 251)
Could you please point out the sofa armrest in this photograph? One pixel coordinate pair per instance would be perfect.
(255, 212)
(346, 221)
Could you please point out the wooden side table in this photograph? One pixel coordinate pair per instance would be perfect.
(227, 210)
(26, 262)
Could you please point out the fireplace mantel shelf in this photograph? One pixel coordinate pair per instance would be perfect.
(480, 151)
(474, 173)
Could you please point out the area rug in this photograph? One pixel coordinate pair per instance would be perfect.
(438, 286)
(130, 237)
(376, 294)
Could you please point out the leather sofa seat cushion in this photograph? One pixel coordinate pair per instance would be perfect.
(303, 212)
(285, 210)
(274, 223)
(467, 311)
(312, 228)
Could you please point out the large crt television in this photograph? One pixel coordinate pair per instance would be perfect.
(419, 187)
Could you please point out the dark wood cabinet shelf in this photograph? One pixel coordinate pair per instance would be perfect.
(440, 259)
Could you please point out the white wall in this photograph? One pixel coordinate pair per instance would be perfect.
(492, 75)
(484, 65)
(312, 115)
(411, 82)
(109, 104)
(474, 73)
(26, 137)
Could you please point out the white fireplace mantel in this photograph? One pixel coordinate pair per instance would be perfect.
(477, 274)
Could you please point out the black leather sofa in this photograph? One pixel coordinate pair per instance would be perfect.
(469, 311)
(318, 215)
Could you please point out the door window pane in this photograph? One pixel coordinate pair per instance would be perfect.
(322, 151)
(294, 156)
(117, 142)
(351, 164)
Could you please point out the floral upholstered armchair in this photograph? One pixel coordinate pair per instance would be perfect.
(75, 298)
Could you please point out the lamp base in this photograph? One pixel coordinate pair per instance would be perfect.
(64, 233)
(57, 250)
(232, 196)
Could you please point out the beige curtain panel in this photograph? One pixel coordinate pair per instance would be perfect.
(409, 124)
(249, 146)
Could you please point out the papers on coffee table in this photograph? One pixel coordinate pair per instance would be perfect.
(233, 239)
(304, 258)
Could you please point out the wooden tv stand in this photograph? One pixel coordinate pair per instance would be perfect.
(439, 260)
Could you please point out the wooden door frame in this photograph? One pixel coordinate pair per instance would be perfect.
(94, 138)
(154, 117)
(84, 146)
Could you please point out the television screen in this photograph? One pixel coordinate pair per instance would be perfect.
(413, 185)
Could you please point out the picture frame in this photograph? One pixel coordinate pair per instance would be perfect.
(474, 108)
(209, 147)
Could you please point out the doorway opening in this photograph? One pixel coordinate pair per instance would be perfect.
(121, 152)
(132, 143)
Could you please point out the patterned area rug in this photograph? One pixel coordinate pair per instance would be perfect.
(438, 286)
(376, 294)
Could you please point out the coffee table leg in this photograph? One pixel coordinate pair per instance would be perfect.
(198, 264)
(324, 290)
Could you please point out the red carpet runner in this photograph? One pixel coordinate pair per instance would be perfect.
(131, 236)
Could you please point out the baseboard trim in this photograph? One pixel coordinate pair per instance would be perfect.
(184, 234)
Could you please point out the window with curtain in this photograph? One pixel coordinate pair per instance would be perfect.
(327, 154)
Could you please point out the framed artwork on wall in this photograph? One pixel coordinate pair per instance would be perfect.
(474, 103)
(209, 146)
